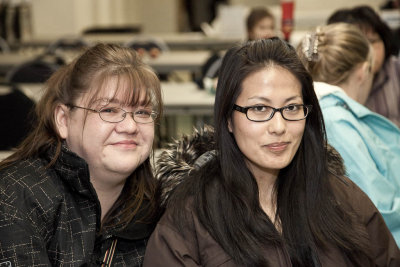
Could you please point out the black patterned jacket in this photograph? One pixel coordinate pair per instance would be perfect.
(51, 217)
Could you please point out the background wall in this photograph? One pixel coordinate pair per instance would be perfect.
(70, 17)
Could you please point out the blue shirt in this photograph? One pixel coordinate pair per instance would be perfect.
(370, 146)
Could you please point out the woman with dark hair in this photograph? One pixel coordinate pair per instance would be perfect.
(265, 189)
(384, 97)
(79, 190)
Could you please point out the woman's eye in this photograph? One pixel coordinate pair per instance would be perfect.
(292, 108)
(143, 112)
(259, 108)
(109, 110)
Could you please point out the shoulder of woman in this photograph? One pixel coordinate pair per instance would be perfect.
(350, 196)
(23, 173)
(27, 182)
(190, 238)
(185, 228)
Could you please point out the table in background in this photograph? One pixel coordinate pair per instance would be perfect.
(191, 61)
(175, 41)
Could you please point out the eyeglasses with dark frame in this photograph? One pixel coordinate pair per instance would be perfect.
(115, 115)
(260, 113)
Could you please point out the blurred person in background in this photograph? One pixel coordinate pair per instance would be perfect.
(339, 58)
(384, 97)
(260, 24)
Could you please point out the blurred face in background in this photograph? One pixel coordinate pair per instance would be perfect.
(366, 83)
(263, 29)
(378, 49)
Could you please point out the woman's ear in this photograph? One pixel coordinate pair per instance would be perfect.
(61, 117)
(230, 125)
(365, 70)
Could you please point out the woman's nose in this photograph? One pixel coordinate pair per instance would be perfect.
(128, 124)
(277, 124)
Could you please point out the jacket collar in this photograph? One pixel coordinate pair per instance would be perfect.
(73, 170)
(192, 153)
(324, 91)
(136, 229)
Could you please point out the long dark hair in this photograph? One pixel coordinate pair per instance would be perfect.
(226, 199)
(89, 73)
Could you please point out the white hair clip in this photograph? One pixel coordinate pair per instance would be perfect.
(310, 46)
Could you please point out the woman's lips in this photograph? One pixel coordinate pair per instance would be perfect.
(277, 147)
(126, 144)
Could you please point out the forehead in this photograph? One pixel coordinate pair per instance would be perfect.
(267, 21)
(274, 82)
(118, 89)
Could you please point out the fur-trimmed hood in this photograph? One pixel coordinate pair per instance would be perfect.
(191, 152)
(181, 157)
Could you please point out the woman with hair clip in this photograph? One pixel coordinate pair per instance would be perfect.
(79, 190)
(339, 59)
(264, 189)
(384, 97)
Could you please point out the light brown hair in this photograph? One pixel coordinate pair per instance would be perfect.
(88, 74)
(332, 51)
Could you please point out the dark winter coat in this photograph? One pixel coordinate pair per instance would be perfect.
(194, 246)
(51, 217)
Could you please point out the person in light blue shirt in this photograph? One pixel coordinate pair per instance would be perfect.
(340, 61)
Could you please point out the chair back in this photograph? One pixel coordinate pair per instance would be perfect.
(4, 47)
(37, 70)
(113, 29)
(67, 44)
(16, 116)
(147, 43)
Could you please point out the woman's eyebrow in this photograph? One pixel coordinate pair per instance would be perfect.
(269, 100)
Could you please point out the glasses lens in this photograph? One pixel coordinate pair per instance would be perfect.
(144, 116)
(112, 114)
(295, 112)
(259, 113)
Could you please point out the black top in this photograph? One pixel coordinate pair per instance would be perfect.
(51, 217)
(16, 118)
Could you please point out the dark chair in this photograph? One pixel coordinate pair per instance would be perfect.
(211, 76)
(37, 70)
(209, 69)
(67, 44)
(150, 45)
(4, 47)
(213, 69)
(147, 43)
(113, 29)
(16, 116)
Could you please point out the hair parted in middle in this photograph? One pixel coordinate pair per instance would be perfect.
(87, 76)
(225, 196)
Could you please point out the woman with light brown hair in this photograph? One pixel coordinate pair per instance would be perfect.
(384, 97)
(80, 189)
(340, 60)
